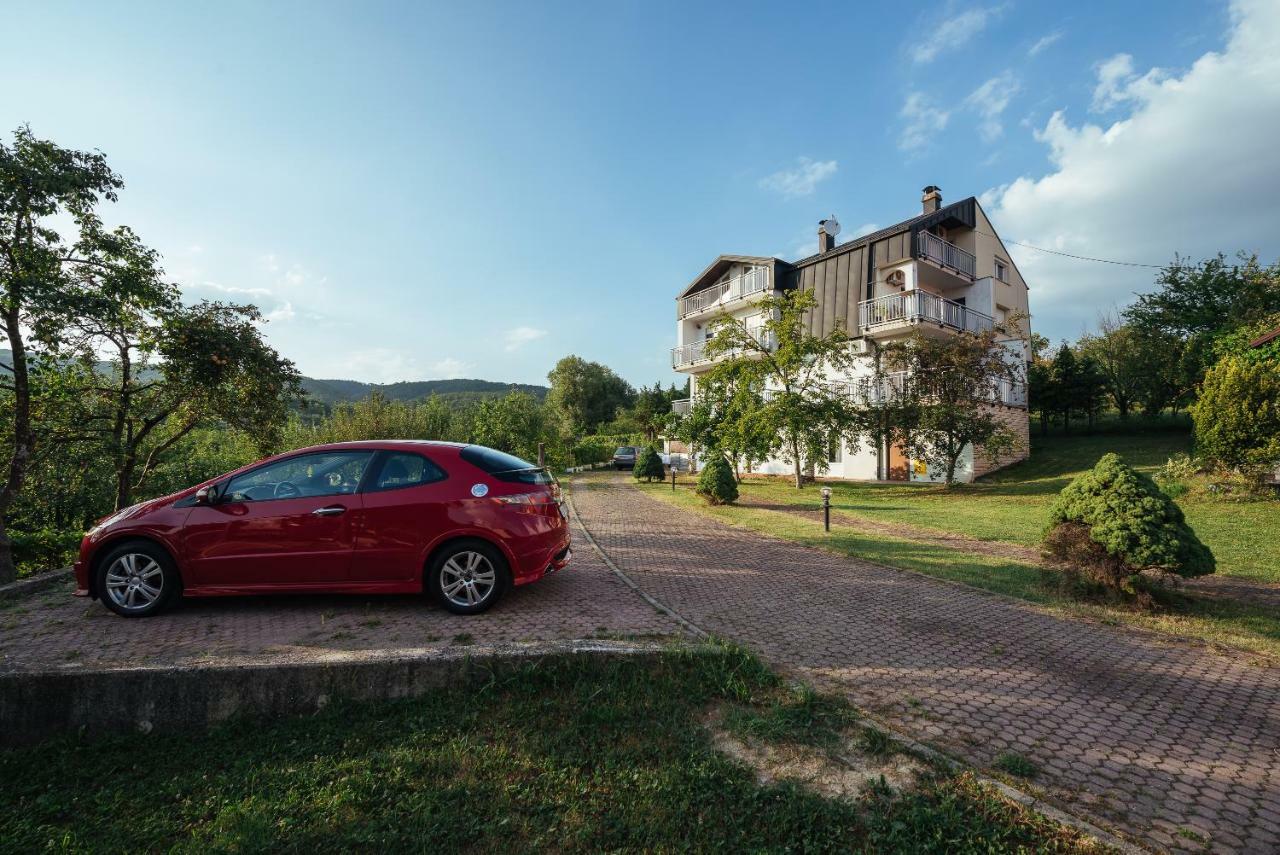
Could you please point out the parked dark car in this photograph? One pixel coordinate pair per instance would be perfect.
(461, 522)
(625, 457)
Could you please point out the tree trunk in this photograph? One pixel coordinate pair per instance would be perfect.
(23, 437)
(798, 463)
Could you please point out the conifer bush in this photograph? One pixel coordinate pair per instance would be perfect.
(649, 466)
(716, 483)
(1113, 522)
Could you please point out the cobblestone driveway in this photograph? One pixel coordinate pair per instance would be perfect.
(52, 630)
(1161, 739)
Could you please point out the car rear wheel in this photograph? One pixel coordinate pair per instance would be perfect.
(468, 577)
(137, 579)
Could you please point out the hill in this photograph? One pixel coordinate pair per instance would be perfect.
(337, 391)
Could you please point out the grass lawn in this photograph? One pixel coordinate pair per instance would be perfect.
(1013, 507)
(568, 755)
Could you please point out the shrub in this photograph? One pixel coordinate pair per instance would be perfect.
(1136, 525)
(1180, 467)
(1237, 415)
(716, 483)
(649, 466)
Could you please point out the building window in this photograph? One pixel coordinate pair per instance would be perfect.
(835, 450)
(1002, 271)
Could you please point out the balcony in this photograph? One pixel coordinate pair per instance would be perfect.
(695, 352)
(723, 293)
(682, 406)
(915, 307)
(946, 254)
(893, 385)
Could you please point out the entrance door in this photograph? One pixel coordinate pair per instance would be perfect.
(899, 463)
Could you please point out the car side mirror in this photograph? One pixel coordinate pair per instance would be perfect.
(206, 495)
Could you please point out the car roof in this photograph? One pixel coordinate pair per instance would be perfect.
(376, 444)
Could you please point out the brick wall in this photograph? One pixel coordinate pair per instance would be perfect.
(1020, 421)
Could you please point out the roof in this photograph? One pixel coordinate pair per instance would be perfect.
(717, 267)
(1265, 338)
(961, 211)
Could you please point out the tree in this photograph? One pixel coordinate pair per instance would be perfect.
(1064, 389)
(716, 483)
(951, 386)
(514, 424)
(1117, 352)
(1042, 394)
(1091, 388)
(38, 291)
(1237, 415)
(773, 351)
(649, 466)
(585, 395)
(727, 414)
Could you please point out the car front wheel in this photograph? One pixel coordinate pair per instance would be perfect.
(137, 579)
(469, 577)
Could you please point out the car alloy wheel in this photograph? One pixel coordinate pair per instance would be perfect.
(468, 579)
(134, 581)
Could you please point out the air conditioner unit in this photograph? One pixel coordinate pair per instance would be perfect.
(861, 347)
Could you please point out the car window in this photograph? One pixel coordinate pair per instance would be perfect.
(406, 470)
(626, 449)
(491, 461)
(326, 473)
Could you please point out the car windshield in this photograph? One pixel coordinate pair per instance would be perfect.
(322, 474)
(624, 450)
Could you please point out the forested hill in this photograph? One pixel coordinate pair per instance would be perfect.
(329, 392)
(460, 391)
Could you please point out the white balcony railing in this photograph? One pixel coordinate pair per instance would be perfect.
(913, 307)
(682, 406)
(889, 388)
(947, 254)
(696, 351)
(752, 282)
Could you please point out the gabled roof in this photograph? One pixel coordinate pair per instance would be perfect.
(717, 267)
(961, 213)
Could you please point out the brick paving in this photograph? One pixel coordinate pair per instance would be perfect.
(1158, 738)
(52, 630)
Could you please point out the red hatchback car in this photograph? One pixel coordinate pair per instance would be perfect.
(462, 522)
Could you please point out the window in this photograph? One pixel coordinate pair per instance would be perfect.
(326, 473)
(505, 467)
(1002, 271)
(406, 470)
(835, 450)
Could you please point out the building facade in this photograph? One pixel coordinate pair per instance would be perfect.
(940, 272)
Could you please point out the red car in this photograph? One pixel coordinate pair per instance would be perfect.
(462, 522)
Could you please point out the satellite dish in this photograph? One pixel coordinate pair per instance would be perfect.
(830, 226)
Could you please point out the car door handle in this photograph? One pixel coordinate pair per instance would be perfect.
(331, 511)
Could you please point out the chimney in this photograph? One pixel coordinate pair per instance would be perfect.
(932, 199)
(827, 231)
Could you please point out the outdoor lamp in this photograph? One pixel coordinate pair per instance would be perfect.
(826, 508)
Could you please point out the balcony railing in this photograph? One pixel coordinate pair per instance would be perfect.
(682, 406)
(752, 282)
(890, 387)
(913, 307)
(696, 351)
(947, 254)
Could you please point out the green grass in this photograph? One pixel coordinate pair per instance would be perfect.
(1016, 764)
(569, 755)
(1252, 628)
(1013, 505)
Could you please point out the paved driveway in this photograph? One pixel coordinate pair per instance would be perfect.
(52, 630)
(1159, 738)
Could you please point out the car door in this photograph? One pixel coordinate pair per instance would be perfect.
(404, 507)
(288, 523)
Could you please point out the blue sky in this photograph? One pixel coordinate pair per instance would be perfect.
(478, 189)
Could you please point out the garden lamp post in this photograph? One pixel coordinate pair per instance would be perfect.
(826, 508)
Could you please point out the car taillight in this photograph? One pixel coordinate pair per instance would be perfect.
(529, 503)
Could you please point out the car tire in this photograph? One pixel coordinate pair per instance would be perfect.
(137, 578)
(468, 577)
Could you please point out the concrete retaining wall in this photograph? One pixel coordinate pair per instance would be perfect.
(35, 706)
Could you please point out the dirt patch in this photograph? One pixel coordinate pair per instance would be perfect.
(843, 775)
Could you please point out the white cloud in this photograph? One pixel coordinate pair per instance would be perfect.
(932, 38)
(450, 368)
(922, 118)
(372, 365)
(1118, 84)
(1044, 42)
(1190, 169)
(989, 101)
(802, 180)
(520, 336)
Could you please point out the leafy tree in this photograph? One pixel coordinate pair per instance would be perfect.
(802, 409)
(716, 483)
(1091, 388)
(377, 417)
(728, 415)
(1238, 342)
(585, 394)
(1042, 395)
(649, 466)
(1064, 389)
(951, 387)
(1237, 415)
(1116, 350)
(514, 424)
(1127, 515)
(39, 291)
